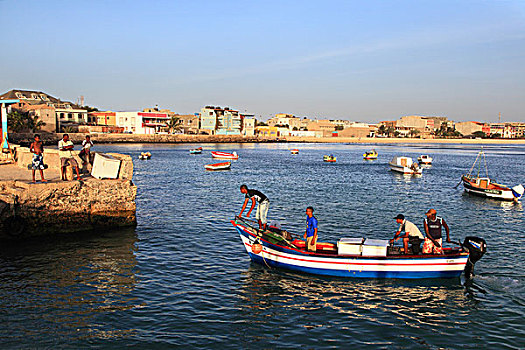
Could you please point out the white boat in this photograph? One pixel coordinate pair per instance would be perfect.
(424, 159)
(218, 166)
(224, 155)
(405, 165)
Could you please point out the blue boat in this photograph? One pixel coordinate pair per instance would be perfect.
(354, 258)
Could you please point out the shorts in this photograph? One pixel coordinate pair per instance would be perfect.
(429, 247)
(66, 161)
(311, 244)
(38, 162)
(262, 211)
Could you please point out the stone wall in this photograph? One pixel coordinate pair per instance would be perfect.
(28, 210)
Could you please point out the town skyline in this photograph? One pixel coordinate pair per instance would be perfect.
(353, 61)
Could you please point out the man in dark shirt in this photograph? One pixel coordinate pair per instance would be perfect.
(262, 208)
(433, 240)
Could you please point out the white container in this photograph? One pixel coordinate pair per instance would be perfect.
(375, 247)
(105, 167)
(349, 246)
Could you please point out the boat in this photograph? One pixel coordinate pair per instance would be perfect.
(484, 186)
(218, 166)
(355, 257)
(424, 159)
(405, 165)
(224, 155)
(294, 151)
(330, 159)
(144, 155)
(196, 150)
(370, 154)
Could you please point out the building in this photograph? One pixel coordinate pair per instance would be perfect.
(221, 121)
(285, 120)
(248, 125)
(66, 113)
(142, 122)
(272, 131)
(189, 123)
(360, 130)
(324, 125)
(103, 118)
(469, 128)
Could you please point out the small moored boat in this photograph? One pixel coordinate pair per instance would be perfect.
(355, 257)
(224, 155)
(370, 154)
(218, 166)
(487, 187)
(144, 155)
(196, 150)
(405, 165)
(424, 159)
(330, 159)
(294, 151)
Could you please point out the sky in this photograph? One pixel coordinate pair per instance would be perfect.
(357, 60)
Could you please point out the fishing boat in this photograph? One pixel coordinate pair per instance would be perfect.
(405, 165)
(224, 155)
(484, 186)
(196, 150)
(218, 166)
(144, 155)
(355, 257)
(330, 159)
(370, 154)
(424, 159)
(294, 151)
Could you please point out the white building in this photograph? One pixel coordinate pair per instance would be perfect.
(142, 122)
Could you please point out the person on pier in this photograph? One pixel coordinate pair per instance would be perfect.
(262, 209)
(37, 163)
(65, 146)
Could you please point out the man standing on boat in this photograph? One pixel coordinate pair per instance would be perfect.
(311, 230)
(412, 234)
(433, 241)
(262, 209)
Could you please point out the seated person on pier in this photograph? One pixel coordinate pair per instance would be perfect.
(85, 152)
(65, 146)
(311, 230)
(433, 240)
(412, 234)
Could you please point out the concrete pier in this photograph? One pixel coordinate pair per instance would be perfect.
(28, 209)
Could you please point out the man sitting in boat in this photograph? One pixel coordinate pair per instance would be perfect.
(433, 241)
(262, 209)
(311, 230)
(412, 234)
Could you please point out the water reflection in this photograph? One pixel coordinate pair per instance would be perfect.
(73, 280)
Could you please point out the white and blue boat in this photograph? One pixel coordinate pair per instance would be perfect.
(351, 257)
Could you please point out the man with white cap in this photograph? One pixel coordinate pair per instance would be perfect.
(412, 234)
(433, 240)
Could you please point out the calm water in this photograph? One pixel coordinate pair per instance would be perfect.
(182, 278)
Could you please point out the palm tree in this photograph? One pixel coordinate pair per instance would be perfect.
(19, 121)
(173, 123)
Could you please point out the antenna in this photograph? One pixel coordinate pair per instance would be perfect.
(499, 118)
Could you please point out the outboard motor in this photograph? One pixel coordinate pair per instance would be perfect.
(476, 247)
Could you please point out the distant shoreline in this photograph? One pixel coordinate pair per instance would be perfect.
(51, 139)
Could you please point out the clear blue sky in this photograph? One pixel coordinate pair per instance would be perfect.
(357, 60)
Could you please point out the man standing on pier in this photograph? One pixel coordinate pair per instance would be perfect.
(262, 209)
(37, 148)
(65, 146)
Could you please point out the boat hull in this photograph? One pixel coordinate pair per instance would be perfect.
(361, 267)
(224, 155)
(218, 166)
(500, 194)
(404, 169)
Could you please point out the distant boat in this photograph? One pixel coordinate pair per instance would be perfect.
(218, 166)
(224, 155)
(370, 154)
(330, 159)
(486, 187)
(144, 155)
(424, 159)
(294, 151)
(405, 165)
(196, 150)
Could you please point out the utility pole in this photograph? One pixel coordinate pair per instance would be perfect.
(499, 118)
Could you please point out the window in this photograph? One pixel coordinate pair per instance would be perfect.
(35, 97)
(210, 113)
(19, 95)
(61, 115)
(69, 116)
(44, 97)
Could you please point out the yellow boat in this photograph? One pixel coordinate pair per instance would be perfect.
(330, 159)
(370, 154)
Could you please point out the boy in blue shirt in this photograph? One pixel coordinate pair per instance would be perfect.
(311, 230)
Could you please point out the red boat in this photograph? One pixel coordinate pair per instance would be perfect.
(224, 155)
(218, 166)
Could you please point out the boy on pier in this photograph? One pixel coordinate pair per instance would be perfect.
(37, 148)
